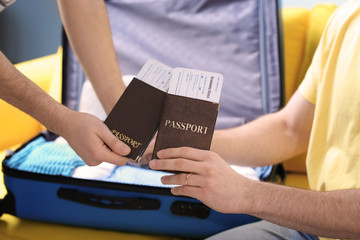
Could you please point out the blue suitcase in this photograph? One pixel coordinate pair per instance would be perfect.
(248, 52)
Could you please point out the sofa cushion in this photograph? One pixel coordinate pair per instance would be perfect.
(295, 22)
(17, 127)
(316, 20)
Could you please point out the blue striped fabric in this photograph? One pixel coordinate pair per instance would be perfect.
(54, 158)
(41, 156)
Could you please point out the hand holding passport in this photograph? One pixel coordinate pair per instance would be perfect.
(182, 104)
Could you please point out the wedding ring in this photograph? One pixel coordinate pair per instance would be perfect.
(187, 178)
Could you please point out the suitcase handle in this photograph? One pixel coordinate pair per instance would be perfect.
(101, 201)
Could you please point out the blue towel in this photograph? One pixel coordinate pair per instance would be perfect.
(44, 157)
(140, 176)
(53, 158)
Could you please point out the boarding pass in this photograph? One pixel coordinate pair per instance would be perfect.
(182, 81)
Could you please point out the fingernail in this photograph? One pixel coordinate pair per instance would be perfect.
(159, 153)
(152, 164)
(163, 180)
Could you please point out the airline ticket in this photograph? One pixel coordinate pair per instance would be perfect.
(182, 81)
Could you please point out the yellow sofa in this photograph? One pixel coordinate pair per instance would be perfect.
(302, 31)
(16, 126)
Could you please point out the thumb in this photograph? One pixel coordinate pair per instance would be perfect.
(113, 142)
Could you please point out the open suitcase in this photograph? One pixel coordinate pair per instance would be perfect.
(252, 72)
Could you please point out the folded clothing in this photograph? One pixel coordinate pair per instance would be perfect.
(100, 172)
(140, 176)
(58, 158)
(40, 156)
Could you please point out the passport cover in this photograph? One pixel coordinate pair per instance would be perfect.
(186, 122)
(136, 116)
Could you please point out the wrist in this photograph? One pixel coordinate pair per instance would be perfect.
(265, 199)
(251, 197)
(61, 120)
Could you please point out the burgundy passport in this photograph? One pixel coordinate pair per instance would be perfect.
(136, 116)
(186, 122)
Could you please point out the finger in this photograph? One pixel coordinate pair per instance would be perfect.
(109, 156)
(184, 152)
(176, 179)
(189, 191)
(177, 164)
(113, 142)
(188, 179)
(102, 153)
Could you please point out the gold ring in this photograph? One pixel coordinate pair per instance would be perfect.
(187, 178)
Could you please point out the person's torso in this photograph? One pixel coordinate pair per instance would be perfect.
(334, 154)
(215, 36)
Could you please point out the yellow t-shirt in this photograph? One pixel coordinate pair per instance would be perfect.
(332, 83)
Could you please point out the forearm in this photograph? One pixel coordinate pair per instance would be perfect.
(332, 214)
(264, 141)
(88, 29)
(269, 139)
(212, 181)
(22, 93)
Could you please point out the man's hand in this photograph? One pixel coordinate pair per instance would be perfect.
(92, 140)
(332, 214)
(211, 179)
(85, 133)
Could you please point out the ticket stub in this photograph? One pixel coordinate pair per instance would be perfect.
(156, 74)
(182, 81)
(196, 84)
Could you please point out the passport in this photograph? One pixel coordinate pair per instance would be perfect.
(180, 103)
(136, 116)
(186, 122)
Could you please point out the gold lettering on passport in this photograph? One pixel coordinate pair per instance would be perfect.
(126, 139)
(186, 126)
